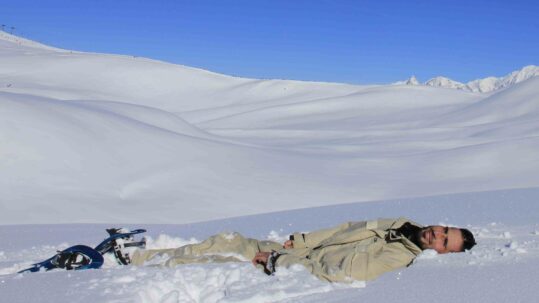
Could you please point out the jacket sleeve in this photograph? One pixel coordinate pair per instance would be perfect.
(312, 239)
(321, 271)
(357, 266)
(369, 266)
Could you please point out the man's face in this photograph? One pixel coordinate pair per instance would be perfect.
(441, 238)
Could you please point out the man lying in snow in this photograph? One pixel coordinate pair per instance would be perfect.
(351, 251)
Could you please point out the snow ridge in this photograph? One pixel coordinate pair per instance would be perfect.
(25, 42)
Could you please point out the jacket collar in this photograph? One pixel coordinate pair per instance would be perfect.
(400, 222)
(391, 235)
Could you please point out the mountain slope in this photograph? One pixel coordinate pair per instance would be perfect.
(100, 138)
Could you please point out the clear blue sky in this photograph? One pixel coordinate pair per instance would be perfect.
(340, 41)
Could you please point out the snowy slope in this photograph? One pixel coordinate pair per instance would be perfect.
(16, 42)
(501, 268)
(30, 69)
(110, 136)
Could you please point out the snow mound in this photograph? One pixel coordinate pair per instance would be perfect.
(164, 241)
(225, 283)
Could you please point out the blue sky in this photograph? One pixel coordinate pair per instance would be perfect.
(338, 41)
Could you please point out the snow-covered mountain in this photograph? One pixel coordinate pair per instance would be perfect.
(484, 85)
(410, 81)
(492, 83)
(444, 82)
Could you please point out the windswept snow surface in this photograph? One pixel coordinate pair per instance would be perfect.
(106, 138)
(501, 268)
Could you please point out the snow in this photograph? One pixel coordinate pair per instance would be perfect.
(17, 41)
(492, 83)
(410, 81)
(186, 153)
(109, 135)
(502, 266)
(444, 82)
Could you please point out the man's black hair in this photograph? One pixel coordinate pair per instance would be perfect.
(468, 239)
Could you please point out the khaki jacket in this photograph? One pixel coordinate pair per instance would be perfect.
(352, 251)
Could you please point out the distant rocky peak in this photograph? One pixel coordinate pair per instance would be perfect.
(412, 81)
(489, 84)
(444, 82)
(483, 85)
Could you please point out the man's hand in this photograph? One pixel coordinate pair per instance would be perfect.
(261, 258)
(288, 244)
